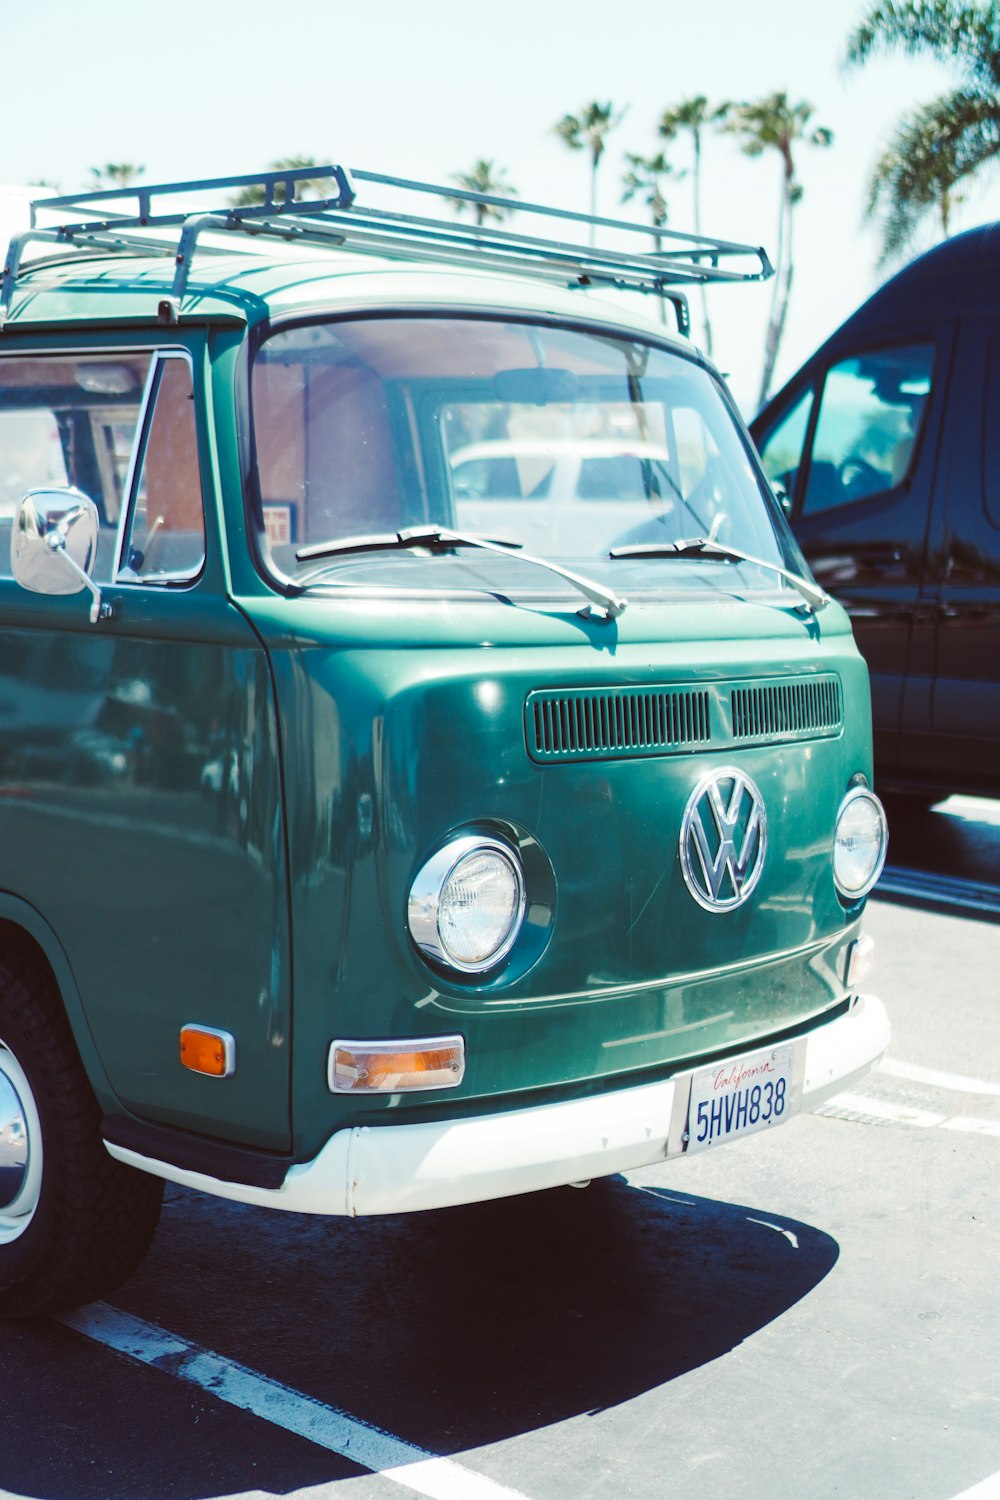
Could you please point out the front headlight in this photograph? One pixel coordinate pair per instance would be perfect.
(467, 903)
(859, 843)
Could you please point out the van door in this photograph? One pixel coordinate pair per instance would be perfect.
(962, 747)
(139, 787)
(859, 493)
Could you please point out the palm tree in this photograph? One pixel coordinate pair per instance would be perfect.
(916, 173)
(692, 115)
(308, 187)
(589, 130)
(954, 136)
(115, 174)
(773, 124)
(645, 178)
(484, 177)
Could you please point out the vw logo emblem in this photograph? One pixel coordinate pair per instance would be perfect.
(723, 839)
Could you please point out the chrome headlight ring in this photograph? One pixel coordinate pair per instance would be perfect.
(860, 844)
(467, 904)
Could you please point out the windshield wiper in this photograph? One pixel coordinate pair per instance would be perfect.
(703, 546)
(440, 538)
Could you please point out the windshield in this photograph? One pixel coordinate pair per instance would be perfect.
(559, 441)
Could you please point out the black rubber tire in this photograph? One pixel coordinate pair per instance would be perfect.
(94, 1218)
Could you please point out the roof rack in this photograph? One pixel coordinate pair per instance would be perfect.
(339, 220)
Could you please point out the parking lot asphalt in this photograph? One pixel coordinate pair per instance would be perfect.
(806, 1314)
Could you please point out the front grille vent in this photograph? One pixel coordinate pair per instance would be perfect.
(787, 710)
(583, 725)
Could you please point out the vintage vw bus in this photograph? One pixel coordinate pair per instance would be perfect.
(354, 857)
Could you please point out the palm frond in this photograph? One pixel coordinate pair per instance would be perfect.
(691, 114)
(933, 150)
(773, 123)
(305, 186)
(570, 131)
(968, 34)
(115, 174)
(645, 178)
(484, 177)
(590, 128)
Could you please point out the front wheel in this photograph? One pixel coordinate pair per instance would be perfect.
(73, 1222)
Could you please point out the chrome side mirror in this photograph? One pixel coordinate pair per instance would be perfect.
(53, 545)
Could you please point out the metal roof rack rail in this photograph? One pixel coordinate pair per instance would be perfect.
(340, 221)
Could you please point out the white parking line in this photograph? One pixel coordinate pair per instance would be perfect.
(872, 1105)
(872, 1108)
(337, 1431)
(868, 1107)
(972, 1125)
(973, 809)
(988, 1489)
(957, 1082)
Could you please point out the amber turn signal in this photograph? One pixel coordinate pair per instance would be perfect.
(397, 1067)
(207, 1051)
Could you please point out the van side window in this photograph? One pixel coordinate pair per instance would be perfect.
(165, 534)
(869, 420)
(69, 419)
(781, 451)
(991, 434)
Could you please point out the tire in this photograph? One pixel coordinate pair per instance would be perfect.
(74, 1223)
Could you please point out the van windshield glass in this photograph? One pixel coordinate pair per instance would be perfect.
(562, 442)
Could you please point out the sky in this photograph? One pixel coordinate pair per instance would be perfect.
(422, 88)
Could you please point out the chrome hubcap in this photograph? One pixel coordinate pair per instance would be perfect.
(20, 1149)
(13, 1144)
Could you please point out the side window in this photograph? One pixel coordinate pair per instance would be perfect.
(165, 532)
(69, 419)
(869, 420)
(781, 449)
(991, 434)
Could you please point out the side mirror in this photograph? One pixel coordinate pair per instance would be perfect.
(53, 545)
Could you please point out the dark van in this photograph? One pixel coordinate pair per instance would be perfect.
(886, 446)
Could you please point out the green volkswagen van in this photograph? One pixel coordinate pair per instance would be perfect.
(388, 820)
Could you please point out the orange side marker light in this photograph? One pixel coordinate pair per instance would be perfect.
(205, 1050)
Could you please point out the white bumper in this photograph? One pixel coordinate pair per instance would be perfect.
(403, 1168)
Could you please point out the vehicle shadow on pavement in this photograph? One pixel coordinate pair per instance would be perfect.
(571, 1302)
(452, 1329)
(466, 1326)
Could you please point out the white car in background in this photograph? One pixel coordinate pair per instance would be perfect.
(560, 496)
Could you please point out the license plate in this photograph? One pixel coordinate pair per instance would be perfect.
(744, 1095)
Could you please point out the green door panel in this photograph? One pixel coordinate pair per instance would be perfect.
(140, 814)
